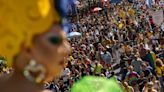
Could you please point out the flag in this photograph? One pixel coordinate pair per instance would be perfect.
(151, 59)
(149, 2)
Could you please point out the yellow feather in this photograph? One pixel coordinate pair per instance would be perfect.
(20, 20)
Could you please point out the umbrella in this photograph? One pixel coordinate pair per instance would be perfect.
(105, 0)
(73, 34)
(97, 9)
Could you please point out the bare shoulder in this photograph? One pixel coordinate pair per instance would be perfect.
(154, 91)
(3, 84)
(46, 91)
(4, 79)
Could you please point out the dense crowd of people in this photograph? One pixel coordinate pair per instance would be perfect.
(4, 69)
(120, 41)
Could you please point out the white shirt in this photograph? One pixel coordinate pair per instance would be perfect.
(97, 32)
(66, 73)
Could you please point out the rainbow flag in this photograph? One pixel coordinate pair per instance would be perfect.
(151, 59)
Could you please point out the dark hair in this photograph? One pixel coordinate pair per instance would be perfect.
(112, 73)
(158, 63)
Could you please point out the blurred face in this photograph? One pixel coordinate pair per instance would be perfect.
(143, 67)
(125, 84)
(49, 49)
(142, 74)
(130, 69)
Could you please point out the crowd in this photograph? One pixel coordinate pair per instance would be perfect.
(120, 41)
(4, 69)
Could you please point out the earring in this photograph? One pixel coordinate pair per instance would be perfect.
(34, 72)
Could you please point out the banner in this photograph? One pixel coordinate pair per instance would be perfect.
(157, 17)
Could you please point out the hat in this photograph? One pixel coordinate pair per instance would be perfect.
(96, 84)
(21, 20)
